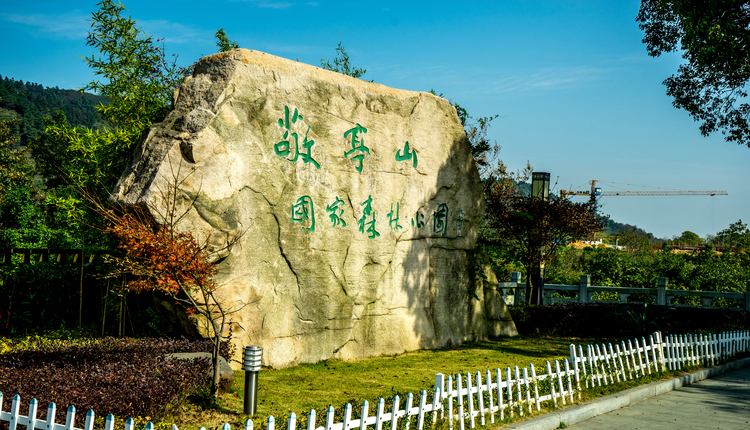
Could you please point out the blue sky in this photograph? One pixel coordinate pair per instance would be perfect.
(574, 89)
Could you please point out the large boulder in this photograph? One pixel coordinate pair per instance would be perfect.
(351, 207)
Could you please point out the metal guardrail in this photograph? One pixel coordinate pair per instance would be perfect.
(515, 292)
(42, 255)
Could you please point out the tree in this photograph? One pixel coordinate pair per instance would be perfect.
(14, 170)
(341, 64)
(535, 227)
(156, 255)
(736, 236)
(137, 77)
(482, 149)
(139, 82)
(634, 240)
(22, 222)
(689, 238)
(714, 38)
(223, 42)
(80, 165)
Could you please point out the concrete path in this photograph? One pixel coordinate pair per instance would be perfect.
(722, 402)
(689, 402)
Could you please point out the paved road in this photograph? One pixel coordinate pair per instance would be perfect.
(722, 402)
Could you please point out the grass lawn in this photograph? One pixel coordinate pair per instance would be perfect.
(316, 386)
(304, 387)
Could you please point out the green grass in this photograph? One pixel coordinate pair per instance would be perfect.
(316, 386)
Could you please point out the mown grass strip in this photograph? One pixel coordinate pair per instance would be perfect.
(316, 386)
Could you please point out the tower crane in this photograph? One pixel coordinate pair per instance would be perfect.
(596, 192)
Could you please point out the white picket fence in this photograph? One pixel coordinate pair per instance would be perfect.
(475, 398)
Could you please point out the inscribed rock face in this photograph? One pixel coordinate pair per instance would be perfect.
(356, 206)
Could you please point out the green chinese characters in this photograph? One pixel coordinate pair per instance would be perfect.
(367, 222)
(336, 211)
(303, 211)
(419, 220)
(358, 145)
(290, 140)
(393, 219)
(405, 155)
(290, 147)
(440, 220)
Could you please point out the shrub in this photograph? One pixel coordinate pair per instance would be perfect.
(612, 320)
(125, 377)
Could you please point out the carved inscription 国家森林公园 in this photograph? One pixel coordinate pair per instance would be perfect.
(303, 210)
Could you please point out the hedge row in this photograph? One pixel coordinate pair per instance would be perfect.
(125, 377)
(610, 320)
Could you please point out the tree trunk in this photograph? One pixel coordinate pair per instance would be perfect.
(534, 284)
(529, 286)
(215, 358)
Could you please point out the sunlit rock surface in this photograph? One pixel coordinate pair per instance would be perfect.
(355, 205)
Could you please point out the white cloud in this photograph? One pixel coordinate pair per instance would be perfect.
(173, 32)
(76, 25)
(270, 4)
(550, 78)
(70, 25)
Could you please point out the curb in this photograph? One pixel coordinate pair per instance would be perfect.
(602, 405)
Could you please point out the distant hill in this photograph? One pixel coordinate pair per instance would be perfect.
(30, 102)
(614, 227)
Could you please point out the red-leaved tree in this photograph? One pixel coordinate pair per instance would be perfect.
(156, 255)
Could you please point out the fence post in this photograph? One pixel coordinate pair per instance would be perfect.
(747, 297)
(515, 277)
(583, 292)
(440, 385)
(661, 291)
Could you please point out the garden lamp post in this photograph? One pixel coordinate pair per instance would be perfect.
(539, 190)
(251, 358)
(540, 185)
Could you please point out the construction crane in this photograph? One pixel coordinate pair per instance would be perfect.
(597, 192)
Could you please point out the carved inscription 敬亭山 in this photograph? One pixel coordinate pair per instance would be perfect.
(290, 140)
(405, 155)
(358, 145)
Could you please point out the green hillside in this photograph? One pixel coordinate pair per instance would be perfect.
(614, 228)
(31, 102)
